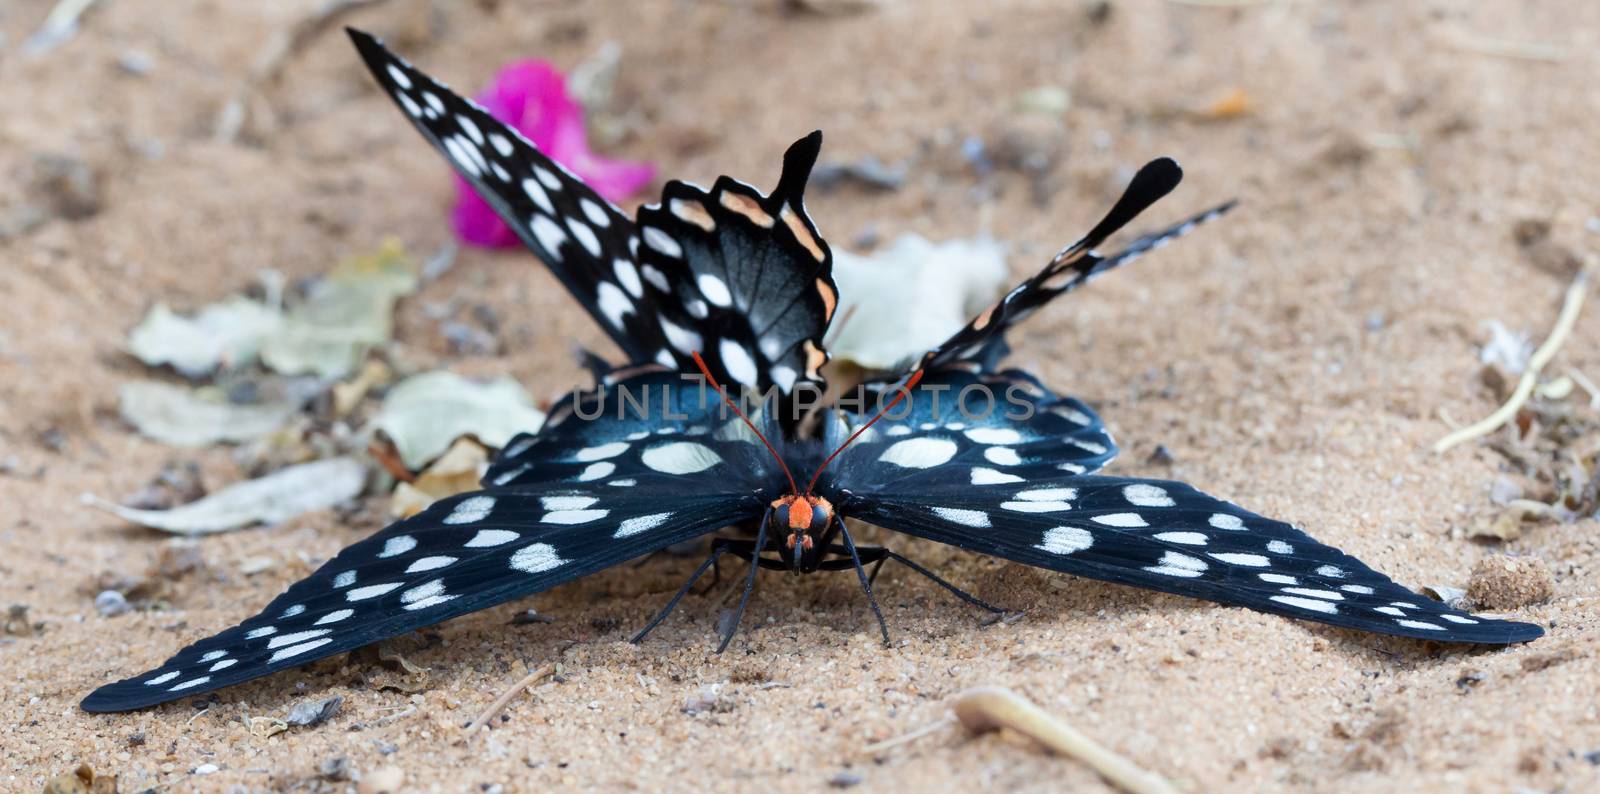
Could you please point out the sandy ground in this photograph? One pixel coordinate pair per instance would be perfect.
(1294, 358)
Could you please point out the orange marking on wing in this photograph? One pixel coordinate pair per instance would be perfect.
(801, 233)
(748, 207)
(693, 212)
(830, 300)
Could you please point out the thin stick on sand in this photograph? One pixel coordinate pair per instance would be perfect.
(505, 699)
(990, 708)
(1530, 376)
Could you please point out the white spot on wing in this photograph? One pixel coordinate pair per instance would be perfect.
(919, 453)
(1250, 561)
(296, 650)
(741, 367)
(1173, 563)
(1186, 538)
(491, 537)
(628, 277)
(550, 235)
(400, 544)
(573, 516)
(1307, 603)
(634, 526)
(370, 591)
(430, 563)
(955, 515)
(1002, 456)
(536, 192)
(662, 242)
(680, 457)
(1127, 520)
(398, 75)
(1225, 521)
(535, 558)
(469, 510)
(334, 616)
(980, 475)
(595, 213)
(597, 471)
(602, 451)
(715, 290)
(1066, 540)
(1146, 495)
(995, 435)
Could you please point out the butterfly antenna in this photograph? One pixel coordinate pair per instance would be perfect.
(903, 390)
(704, 370)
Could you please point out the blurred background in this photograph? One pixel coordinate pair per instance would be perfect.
(224, 254)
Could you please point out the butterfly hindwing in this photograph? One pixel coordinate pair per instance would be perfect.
(982, 341)
(469, 552)
(753, 272)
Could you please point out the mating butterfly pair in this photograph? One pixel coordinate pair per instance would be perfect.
(736, 285)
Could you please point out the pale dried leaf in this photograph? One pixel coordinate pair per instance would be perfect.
(425, 414)
(185, 417)
(226, 334)
(277, 497)
(900, 302)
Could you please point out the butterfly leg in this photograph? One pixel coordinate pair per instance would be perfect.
(718, 549)
(749, 583)
(879, 555)
(866, 583)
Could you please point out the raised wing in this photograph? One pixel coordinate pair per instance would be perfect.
(758, 281)
(743, 278)
(469, 552)
(585, 240)
(1004, 491)
(981, 343)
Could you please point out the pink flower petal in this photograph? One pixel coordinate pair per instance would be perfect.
(532, 97)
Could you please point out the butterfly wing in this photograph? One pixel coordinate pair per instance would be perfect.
(741, 277)
(753, 273)
(981, 342)
(475, 550)
(586, 241)
(1000, 488)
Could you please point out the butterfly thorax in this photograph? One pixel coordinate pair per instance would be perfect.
(807, 524)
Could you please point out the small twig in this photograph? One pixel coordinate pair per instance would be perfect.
(58, 26)
(1570, 307)
(1588, 385)
(236, 111)
(505, 699)
(990, 708)
(1504, 48)
(907, 738)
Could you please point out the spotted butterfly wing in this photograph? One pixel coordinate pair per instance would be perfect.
(1017, 486)
(742, 277)
(981, 342)
(475, 550)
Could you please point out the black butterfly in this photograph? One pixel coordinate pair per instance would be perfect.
(736, 285)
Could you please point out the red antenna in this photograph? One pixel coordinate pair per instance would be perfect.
(903, 390)
(704, 370)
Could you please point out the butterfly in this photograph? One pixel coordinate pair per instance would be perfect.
(716, 293)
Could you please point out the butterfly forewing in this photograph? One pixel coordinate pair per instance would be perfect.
(1008, 494)
(742, 278)
(469, 552)
(586, 241)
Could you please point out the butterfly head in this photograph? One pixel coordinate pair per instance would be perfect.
(806, 524)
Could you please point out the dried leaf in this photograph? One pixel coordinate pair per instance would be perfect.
(398, 673)
(226, 334)
(186, 417)
(264, 727)
(425, 414)
(310, 713)
(456, 471)
(344, 315)
(276, 497)
(912, 295)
